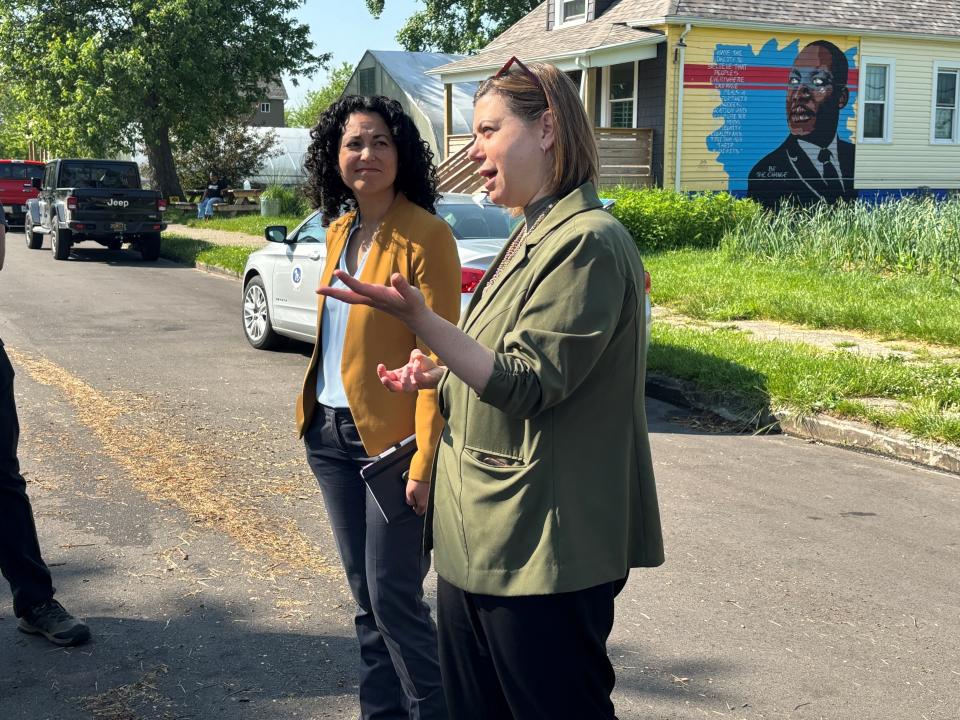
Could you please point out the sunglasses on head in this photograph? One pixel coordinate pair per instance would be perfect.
(505, 70)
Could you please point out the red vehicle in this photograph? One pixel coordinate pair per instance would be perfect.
(16, 187)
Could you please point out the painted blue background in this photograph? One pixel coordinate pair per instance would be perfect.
(745, 137)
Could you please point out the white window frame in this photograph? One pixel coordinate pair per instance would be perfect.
(891, 65)
(265, 108)
(938, 67)
(605, 109)
(559, 21)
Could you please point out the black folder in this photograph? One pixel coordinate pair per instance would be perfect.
(386, 478)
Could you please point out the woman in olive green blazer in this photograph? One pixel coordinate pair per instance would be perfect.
(543, 495)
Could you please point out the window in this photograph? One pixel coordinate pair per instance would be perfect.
(367, 81)
(312, 230)
(571, 11)
(621, 95)
(876, 111)
(265, 107)
(945, 105)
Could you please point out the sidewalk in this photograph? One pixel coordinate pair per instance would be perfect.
(217, 237)
(820, 427)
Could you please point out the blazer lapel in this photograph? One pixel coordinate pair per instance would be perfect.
(583, 198)
(335, 245)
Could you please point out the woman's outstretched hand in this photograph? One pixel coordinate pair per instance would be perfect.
(420, 373)
(399, 298)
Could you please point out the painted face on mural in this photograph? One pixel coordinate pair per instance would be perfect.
(815, 95)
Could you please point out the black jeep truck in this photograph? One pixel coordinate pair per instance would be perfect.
(100, 200)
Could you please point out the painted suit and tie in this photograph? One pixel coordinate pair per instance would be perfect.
(812, 164)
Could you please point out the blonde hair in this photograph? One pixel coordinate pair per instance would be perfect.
(575, 159)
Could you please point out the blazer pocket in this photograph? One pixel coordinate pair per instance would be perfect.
(492, 460)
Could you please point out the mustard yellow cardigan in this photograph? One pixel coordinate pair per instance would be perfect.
(421, 247)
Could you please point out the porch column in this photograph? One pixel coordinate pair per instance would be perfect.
(588, 97)
(447, 118)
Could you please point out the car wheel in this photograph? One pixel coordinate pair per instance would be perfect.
(62, 240)
(34, 239)
(149, 245)
(257, 325)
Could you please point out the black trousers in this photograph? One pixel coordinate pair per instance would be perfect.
(20, 559)
(531, 657)
(385, 566)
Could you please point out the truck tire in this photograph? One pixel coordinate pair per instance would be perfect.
(149, 245)
(34, 239)
(62, 240)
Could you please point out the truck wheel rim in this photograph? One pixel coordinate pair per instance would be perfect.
(255, 313)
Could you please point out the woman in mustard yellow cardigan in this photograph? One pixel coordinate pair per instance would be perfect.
(368, 156)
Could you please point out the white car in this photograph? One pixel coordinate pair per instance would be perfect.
(279, 280)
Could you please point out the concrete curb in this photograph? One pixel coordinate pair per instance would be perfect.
(849, 434)
(217, 270)
(686, 394)
(859, 436)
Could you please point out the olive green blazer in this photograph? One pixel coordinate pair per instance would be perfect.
(544, 483)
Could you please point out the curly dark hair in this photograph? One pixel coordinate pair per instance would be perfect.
(416, 174)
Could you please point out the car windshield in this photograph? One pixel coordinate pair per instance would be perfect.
(20, 171)
(473, 220)
(99, 175)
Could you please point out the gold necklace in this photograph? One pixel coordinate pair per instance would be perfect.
(515, 247)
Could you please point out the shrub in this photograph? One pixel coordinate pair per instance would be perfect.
(662, 219)
(292, 200)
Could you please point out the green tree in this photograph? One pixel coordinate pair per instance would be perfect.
(233, 151)
(103, 75)
(316, 101)
(457, 26)
(13, 137)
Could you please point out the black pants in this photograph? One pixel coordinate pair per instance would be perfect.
(532, 657)
(20, 559)
(385, 566)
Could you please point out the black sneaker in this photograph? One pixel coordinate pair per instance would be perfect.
(55, 624)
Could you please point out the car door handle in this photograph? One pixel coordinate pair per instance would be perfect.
(316, 255)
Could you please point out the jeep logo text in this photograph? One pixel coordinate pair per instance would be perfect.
(118, 203)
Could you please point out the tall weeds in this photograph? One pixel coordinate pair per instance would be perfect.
(905, 236)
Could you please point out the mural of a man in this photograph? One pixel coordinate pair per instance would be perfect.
(812, 163)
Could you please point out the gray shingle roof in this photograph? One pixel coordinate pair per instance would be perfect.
(909, 16)
(530, 39)
(275, 90)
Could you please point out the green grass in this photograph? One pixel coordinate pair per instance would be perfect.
(770, 374)
(250, 224)
(712, 285)
(190, 252)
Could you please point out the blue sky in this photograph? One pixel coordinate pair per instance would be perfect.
(347, 32)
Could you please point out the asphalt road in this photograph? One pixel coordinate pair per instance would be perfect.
(179, 517)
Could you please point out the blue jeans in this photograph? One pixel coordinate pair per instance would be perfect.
(385, 566)
(205, 207)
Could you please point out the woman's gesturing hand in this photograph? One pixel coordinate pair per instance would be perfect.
(399, 299)
(420, 373)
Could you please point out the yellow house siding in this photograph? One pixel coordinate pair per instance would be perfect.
(910, 160)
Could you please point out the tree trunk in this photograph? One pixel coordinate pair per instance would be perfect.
(160, 157)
